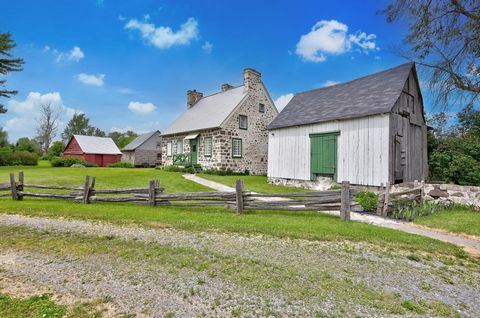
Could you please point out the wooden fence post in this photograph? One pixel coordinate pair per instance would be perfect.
(381, 197)
(20, 184)
(91, 190)
(86, 190)
(239, 195)
(345, 196)
(13, 187)
(151, 192)
(386, 200)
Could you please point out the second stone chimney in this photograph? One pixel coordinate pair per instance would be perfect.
(193, 97)
(251, 78)
(226, 87)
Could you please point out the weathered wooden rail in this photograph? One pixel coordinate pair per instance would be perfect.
(387, 199)
(153, 195)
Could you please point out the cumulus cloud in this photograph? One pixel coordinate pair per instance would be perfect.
(141, 128)
(141, 108)
(164, 37)
(282, 101)
(75, 54)
(207, 47)
(23, 113)
(91, 79)
(331, 37)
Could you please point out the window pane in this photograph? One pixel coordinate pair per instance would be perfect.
(169, 149)
(236, 147)
(179, 146)
(261, 108)
(243, 121)
(208, 146)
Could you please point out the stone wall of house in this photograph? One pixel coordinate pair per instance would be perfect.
(148, 156)
(254, 138)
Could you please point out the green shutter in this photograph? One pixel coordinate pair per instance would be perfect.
(323, 155)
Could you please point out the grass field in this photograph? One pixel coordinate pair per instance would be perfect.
(458, 220)
(307, 225)
(252, 183)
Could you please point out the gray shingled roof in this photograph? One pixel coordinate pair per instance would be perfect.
(137, 142)
(369, 95)
(208, 112)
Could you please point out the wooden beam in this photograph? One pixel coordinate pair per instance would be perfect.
(13, 187)
(20, 185)
(86, 190)
(239, 195)
(345, 202)
(386, 200)
(151, 193)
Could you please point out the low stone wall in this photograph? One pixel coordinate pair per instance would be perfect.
(437, 192)
(321, 184)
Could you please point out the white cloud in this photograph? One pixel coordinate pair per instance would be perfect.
(91, 79)
(75, 54)
(23, 113)
(283, 100)
(164, 37)
(329, 83)
(140, 128)
(141, 108)
(330, 37)
(207, 47)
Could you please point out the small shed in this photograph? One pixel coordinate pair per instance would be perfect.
(368, 131)
(97, 150)
(145, 150)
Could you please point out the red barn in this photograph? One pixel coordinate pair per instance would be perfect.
(99, 150)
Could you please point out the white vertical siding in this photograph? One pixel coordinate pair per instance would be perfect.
(362, 150)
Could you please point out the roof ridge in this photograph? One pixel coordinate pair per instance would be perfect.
(220, 92)
(356, 79)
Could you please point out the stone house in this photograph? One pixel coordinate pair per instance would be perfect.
(145, 150)
(225, 130)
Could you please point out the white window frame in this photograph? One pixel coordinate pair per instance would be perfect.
(240, 117)
(169, 149)
(179, 146)
(237, 148)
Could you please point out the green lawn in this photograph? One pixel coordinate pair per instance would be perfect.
(308, 225)
(458, 221)
(252, 183)
(106, 177)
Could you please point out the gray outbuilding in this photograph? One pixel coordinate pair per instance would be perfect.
(368, 131)
(145, 150)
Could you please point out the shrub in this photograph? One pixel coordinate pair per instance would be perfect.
(15, 158)
(67, 162)
(173, 168)
(228, 172)
(367, 200)
(121, 164)
(25, 158)
(410, 212)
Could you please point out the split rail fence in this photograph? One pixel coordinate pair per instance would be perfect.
(387, 199)
(154, 195)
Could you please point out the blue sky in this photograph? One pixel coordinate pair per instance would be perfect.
(128, 64)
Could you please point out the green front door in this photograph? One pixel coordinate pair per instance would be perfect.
(323, 161)
(193, 151)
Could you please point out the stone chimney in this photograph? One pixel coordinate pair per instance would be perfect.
(251, 78)
(226, 87)
(193, 97)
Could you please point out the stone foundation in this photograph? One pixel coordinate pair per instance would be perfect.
(320, 184)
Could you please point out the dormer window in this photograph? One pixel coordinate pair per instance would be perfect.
(243, 122)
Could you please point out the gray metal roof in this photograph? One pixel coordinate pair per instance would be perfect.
(369, 95)
(137, 142)
(208, 112)
(99, 145)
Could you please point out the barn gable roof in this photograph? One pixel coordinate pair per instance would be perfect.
(370, 95)
(97, 145)
(209, 112)
(137, 142)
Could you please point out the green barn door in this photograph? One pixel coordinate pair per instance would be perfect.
(193, 151)
(323, 161)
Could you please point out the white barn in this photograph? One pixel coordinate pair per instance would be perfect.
(368, 131)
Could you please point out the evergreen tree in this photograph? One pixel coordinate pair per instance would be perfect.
(7, 64)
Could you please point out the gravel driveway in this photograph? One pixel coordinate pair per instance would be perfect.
(230, 275)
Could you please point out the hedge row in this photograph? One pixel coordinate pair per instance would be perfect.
(17, 158)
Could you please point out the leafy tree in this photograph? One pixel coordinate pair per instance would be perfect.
(3, 138)
(443, 38)
(29, 145)
(47, 125)
(56, 149)
(80, 125)
(7, 64)
(122, 139)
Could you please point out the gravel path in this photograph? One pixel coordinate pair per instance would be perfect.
(471, 245)
(257, 276)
